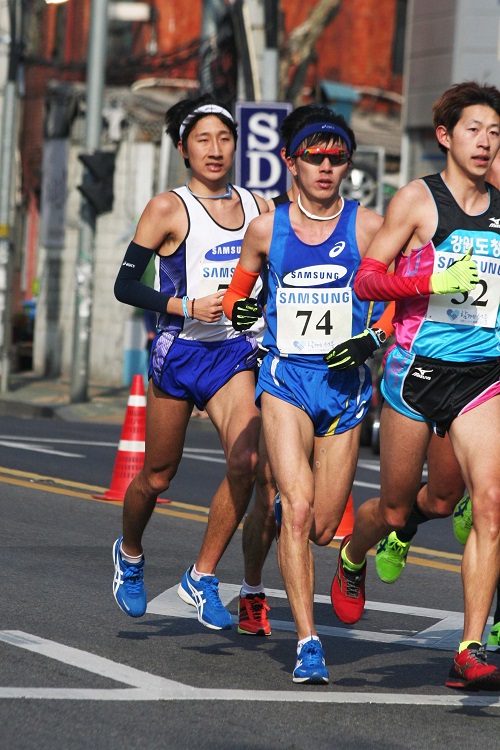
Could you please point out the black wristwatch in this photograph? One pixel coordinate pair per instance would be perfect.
(380, 334)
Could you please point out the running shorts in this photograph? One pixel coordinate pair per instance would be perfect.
(196, 370)
(334, 401)
(436, 391)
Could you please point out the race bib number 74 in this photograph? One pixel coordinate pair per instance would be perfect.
(312, 321)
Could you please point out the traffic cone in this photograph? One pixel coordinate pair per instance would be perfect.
(130, 458)
(346, 524)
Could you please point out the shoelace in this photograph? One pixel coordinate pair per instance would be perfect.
(256, 606)
(396, 549)
(132, 577)
(478, 654)
(353, 583)
(311, 654)
(211, 589)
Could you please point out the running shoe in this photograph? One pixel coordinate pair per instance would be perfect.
(348, 590)
(204, 595)
(390, 559)
(462, 519)
(252, 615)
(310, 667)
(494, 636)
(471, 671)
(277, 514)
(128, 584)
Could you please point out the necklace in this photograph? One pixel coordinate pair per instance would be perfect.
(227, 194)
(319, 218)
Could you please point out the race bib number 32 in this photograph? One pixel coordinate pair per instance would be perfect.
(312, 321)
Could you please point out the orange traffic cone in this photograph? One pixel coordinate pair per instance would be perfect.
(346, 524)
(130, 458)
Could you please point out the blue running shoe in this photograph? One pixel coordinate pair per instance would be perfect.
(128, 584)
(310, 667)
(277, 514)
(204, 595)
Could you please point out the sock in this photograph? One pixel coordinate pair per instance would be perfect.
(413, 521)
(130, 558)
(196, 575)
(352, 567)
(246, 589)
(466, 644)
(304, 640)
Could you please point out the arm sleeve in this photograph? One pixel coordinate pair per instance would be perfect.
(372, 282)
(241, 286)
(128, 286)
(385, 320)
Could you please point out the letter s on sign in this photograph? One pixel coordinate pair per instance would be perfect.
(265, 126)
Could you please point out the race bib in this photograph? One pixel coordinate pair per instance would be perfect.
(312, 321)
(478, 307)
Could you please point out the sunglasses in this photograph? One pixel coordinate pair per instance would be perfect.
(336, 156)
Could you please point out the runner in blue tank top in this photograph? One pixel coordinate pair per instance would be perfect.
(311, 414)
(443, 232)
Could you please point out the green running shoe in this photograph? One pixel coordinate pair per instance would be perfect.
(390, 559)
(462, 519)
(494, 636)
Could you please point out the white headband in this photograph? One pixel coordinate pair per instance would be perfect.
(205, 109)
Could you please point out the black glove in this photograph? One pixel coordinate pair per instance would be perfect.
(352, 353)
(246, 312)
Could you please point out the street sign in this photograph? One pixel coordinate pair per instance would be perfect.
(258, 165)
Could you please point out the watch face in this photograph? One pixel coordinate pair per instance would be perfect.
(381, 335)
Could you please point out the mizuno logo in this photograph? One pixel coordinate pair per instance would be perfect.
(495, 223)
(421, 373)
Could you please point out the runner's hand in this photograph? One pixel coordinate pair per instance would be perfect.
(354, 352)
(246, 312)
(461, 276)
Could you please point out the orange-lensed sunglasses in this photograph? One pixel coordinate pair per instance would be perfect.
(336, 156)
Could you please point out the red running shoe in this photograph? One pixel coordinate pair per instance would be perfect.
(348, 590)
(470, 670)
(252, 613)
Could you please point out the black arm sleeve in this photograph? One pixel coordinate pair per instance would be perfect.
(128, 286)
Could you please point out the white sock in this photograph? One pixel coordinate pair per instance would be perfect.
(246, 589)
(304, 640)
(130, 558)
(196, 575)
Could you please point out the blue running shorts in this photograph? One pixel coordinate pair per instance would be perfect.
(334, 401)
(196, 370)
(437, 391)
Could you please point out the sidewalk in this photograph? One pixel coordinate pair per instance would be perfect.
(32, 396)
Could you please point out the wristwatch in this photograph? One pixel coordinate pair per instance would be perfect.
(380, 334)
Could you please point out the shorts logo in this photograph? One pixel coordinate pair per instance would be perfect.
(495, 223)
(421, 373)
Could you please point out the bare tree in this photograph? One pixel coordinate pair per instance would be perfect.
(298, 50)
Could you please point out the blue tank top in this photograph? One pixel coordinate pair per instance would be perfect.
(464, 326)
(311, 305)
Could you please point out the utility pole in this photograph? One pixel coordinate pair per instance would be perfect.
(7, 151)
(96, 62)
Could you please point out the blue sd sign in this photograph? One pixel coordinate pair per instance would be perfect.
(259, 166)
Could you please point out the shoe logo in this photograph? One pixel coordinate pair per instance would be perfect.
(421, 373)
(495, 223)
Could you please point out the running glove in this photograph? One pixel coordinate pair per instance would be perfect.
(246, 312)
(354, 352)
(461, 276)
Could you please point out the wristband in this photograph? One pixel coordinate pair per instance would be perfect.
(192, 307)
(184, 307)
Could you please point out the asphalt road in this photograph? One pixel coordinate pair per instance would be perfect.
(77, 673)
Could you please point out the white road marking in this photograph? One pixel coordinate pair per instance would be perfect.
(38, 449)
(148, 687)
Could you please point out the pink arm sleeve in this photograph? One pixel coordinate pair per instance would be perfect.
(372, 282)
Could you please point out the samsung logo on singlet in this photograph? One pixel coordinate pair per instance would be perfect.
(314, 275)
(225, 252)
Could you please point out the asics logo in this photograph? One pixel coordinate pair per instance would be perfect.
(421, 373)
(337, 249)
(495, 223)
